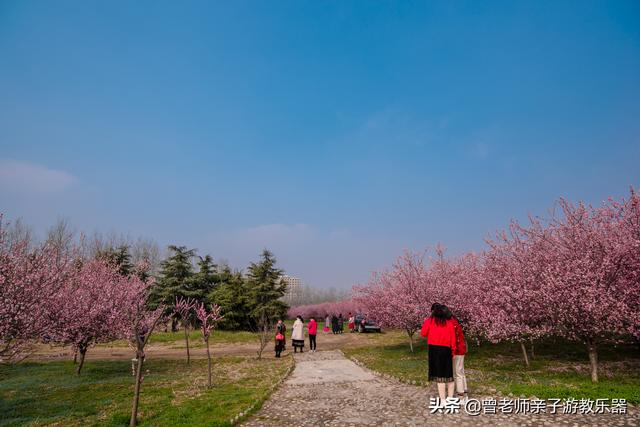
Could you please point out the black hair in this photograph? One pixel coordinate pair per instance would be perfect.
(439, 313)
(447, 312)
(434, 306)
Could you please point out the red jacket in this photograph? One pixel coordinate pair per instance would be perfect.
(461, 345)
(444, 335)
(313, 327)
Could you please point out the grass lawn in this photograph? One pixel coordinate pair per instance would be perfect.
(195, 337)
(559, 369)
(176, 339)
(173, 394)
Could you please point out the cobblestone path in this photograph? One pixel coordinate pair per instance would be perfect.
(327, 389)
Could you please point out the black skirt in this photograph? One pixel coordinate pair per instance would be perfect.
(298, 343)
(440, 364)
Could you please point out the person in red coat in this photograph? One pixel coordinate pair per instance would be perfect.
(440, 333)
(312, 327)
(458, 357)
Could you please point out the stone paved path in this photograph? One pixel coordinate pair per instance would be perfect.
(327, 389)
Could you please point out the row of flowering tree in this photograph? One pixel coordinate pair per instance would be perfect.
(53, 294)
(321, 310)
(575, 274)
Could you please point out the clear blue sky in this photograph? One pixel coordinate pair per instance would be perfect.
(334, 133)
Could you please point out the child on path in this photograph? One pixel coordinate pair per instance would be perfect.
(458, 357)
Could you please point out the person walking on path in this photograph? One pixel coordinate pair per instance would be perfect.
(441, 337)
(327, 324)
(352, 323)
(458, 356)
(281, 339)
(340, 323)
(313, 330)
(334, 324)
(297, 336)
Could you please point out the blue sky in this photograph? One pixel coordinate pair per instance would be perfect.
(334, 133)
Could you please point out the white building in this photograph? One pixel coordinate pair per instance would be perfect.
(294, 288)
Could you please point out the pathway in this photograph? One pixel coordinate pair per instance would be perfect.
(327, 389)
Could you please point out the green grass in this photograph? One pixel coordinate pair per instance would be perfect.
(173, 394)
(559, 369)
(176, 339)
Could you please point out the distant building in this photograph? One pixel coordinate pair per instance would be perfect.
(294, 288)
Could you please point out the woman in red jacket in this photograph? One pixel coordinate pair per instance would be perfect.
(458, 356)
(441, 337)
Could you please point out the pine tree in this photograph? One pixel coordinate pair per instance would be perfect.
(120, 257)
(264, 293)
(205, 280)
(176, 280)
(231, 295)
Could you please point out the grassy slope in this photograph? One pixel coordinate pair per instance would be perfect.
(559, 369)
(173, 394)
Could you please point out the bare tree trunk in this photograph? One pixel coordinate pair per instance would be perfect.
(524, 354)
(410, 339)
(208, 360)
(82, 351)
(174, 325)
(75, 356)
(592, 348)
(264, 331)
(186, 337)
(533, 354)
(136, 393)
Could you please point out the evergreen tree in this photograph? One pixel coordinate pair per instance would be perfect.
(120, 257)
(205, 280)
(265, 290)
(176, 280)
(231, 295)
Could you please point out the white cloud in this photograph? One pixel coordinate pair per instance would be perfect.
(29, 177)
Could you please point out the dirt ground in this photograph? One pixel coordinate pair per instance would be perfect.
(176, 350)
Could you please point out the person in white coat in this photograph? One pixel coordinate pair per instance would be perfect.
(297, 336)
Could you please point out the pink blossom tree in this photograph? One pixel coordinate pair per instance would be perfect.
(87, 308)
(208, 321)
(326, 308)
(29, 277)
(400, 298)
(512, 287)
(183, 308)
(138, 325)
(594, 271)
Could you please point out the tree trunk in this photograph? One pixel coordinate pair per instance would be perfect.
(174, 325)
(410, 339)
(136, 393)
(524, 354)
(186, 337)
(592, 348)
(82, 351)
(533, 355)
(263, 337)
(75, 356)
(208, 361)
